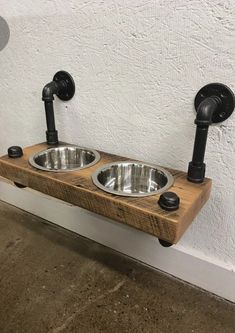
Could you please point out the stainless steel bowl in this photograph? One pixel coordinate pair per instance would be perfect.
(132, 179)
(64, 158)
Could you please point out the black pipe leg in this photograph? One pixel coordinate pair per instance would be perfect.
(19, 185)
(164, 243)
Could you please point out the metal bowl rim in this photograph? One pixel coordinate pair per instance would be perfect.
(169, 176)
(35, 165)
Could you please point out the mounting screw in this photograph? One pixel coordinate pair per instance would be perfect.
(169, 201)
(15, 152)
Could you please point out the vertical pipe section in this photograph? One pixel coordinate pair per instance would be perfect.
(51, 133)
(197, 167)
(200, 144)
(47, 96)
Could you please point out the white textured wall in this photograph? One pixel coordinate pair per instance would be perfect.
(137, 67)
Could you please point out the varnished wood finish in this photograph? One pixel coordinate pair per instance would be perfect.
(76, 187)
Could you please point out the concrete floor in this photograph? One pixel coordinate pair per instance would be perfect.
(54, 281)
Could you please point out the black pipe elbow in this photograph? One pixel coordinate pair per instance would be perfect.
(52, 88)
(48, 91)
(205, 111)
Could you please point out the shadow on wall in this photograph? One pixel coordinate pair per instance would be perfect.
(4, 33)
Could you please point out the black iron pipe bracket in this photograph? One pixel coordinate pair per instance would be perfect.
(63, 87)
(214, 103)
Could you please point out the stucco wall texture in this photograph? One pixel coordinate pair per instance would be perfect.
(137, 67)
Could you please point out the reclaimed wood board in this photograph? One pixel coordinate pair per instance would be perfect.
(77, 188)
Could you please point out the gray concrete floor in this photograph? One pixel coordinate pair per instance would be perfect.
(54, 281)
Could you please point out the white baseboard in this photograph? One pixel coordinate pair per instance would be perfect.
(143, 247)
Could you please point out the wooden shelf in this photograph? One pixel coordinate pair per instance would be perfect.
(76, 187)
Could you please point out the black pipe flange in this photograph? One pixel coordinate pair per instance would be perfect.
(225, 97)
